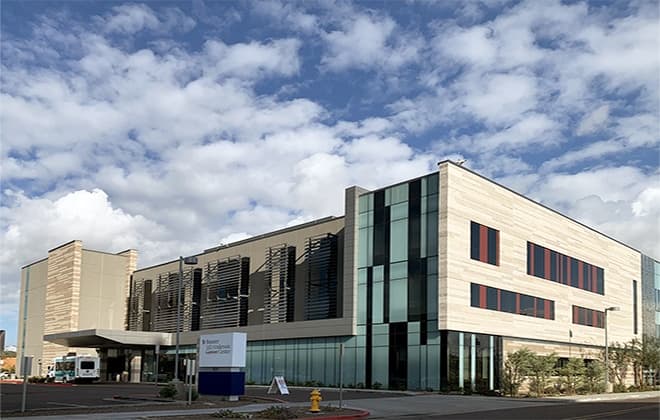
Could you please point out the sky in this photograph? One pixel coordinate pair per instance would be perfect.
(172, 127)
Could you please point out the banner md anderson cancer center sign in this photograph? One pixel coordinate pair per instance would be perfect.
(221, 357)
(222, 350)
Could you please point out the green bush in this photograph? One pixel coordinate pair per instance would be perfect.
(377, 385)
(277, 413)
(619, 388)
(168, 391)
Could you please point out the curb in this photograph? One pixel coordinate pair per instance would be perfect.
(361, 415)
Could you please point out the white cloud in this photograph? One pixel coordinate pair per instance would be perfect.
(619, 201)
(368, 41)
(132, 18)
(593, 121)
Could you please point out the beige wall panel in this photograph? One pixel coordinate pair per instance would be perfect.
(102, 290)
(62, 294)
(472, 198)
(36, 294)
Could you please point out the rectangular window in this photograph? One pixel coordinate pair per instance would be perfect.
(634, 284)
(551, 265)
(527, 305)
(588, 317)
(484, 243)
(491, 298)
(539, 261)
(507, 301)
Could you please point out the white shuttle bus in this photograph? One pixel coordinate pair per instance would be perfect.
(75, 369)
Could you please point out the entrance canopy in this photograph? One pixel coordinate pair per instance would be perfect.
(109, 338)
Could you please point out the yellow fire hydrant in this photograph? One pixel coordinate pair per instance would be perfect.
(315, 398)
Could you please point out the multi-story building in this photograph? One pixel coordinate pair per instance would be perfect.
(71, 289)
(426, 284)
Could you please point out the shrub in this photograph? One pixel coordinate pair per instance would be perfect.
(619, 388)
(277, 413)
(168, 391)
(377, 385)
(230, 414)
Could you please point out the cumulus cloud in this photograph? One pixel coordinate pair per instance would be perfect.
(132, 18)
(367, 41)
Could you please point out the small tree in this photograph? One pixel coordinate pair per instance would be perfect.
(540, 369)
(573, 374)
(620, 358)
(645, 358)
(593, 376)
(516, 367)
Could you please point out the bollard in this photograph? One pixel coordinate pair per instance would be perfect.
(315, 398)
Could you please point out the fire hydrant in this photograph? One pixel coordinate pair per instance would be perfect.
(315, 398)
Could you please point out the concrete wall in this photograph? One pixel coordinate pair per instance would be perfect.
(35, 276)
(468, 197)
(72, 289)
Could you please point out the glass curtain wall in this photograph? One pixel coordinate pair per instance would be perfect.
(309, 362)
(398, 285)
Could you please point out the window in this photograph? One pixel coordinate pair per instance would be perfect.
(634, 285)
(486, 297)
(554, 266)
(588, 317)
(484, 243)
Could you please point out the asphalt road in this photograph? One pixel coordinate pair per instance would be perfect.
(642, 409)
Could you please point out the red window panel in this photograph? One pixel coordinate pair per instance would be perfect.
(482, 296)
(483, 243)
(517, 303)
(568, 270)
(546, 266)
(499, 300)
(594, 318)
(546, 309)
(594, 278)
(580, 274)
(531, 258)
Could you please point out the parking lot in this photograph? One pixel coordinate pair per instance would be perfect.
(59, 396)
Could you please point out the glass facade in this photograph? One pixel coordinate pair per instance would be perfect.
(650, 296)
(397, 285)
(311, 361)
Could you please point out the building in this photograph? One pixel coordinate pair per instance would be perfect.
(71, 289)
(2, 340)
(426, 284)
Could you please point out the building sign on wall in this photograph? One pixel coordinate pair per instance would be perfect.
(222, 350)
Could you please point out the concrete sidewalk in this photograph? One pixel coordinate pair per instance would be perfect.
(419, 406)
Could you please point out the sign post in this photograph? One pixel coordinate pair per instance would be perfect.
(26, 368)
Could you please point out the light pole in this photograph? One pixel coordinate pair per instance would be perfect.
(607, 361)
(187, 261)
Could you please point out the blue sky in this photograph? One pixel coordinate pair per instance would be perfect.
(170, 127)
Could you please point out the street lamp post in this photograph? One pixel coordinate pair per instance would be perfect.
(607, 364)
(187, 261)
